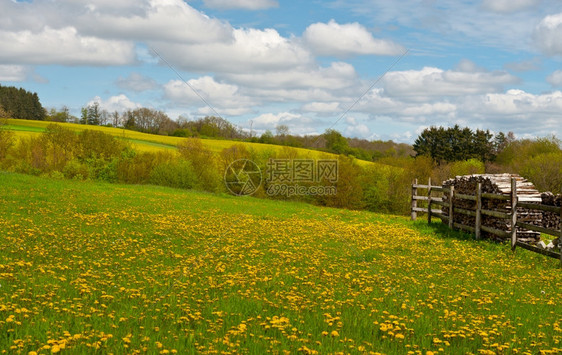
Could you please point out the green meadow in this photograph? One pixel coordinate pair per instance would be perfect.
(90, 267)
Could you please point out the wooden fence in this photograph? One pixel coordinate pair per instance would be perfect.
(478, 212)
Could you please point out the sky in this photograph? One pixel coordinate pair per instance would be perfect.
(373, 69)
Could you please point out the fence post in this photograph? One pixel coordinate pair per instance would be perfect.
(513, 213)
(414, 201)
(478, 210)
(451, 195)
(429, 201)
(560, 237)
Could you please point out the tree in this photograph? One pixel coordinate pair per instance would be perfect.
(335, 142)
(455, 144)
(267, 138)
(84, 115)
(21, 103)
(59, 116)
(94, 114)
(4, 113)
(282, 130)
(115, 119)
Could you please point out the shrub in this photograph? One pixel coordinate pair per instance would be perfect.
(349, 186)
(178, 174)
(545, 171)
(58, 145)
(6, 141)
(99, 145)
(74, 169)
(135, 168)
(203, 162)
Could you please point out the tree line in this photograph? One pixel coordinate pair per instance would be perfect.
(20, 103)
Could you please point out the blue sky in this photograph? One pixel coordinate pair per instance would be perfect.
(311, 65)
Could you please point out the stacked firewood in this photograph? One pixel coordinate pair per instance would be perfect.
(496, 184)
(551, 220)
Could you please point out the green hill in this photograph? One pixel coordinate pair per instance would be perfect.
(152, 142)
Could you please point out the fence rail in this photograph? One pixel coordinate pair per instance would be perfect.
(478, 211)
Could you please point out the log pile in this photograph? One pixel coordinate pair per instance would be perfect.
(496, 184)
(551, 220)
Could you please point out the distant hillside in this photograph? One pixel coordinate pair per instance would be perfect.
(152, 142)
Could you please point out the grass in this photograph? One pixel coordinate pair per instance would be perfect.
(101, 268)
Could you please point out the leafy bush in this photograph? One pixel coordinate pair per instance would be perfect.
(545, 171)
(135, 168)
(74, 169)
(6, 141)
(178, 173)
(203, 162)
(467, 167)
(99, 145)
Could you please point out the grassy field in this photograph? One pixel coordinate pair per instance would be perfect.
(101, 268)
(152, 142)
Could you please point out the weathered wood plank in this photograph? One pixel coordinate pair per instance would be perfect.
(466, 197)
(535, 249)
(424, 210)
(496, 214)
(463, 227)
(465, 212)
(538, 229)
(495, 231)
(451, 209)
(429, 189)
(414, 215)
(533, 206)
(495, 196)
(478, 221)
(437, 201)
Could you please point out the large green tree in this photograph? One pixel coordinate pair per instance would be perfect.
(456, 143)
(21, 103)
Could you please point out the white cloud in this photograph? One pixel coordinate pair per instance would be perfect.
(427, 109)
(333, 39)
(136, 82)
(508, 6)
(297, 123)
(119, 103)
(161, 20)
(225, 98)
(251, 50)
(241, 4)
(13, 73)
(548, 33)
(356, 128)
(429, 81)
(521, 103)
(62, 46)
(337, 76)
(322, 107)
(555, 79)
(101, 33)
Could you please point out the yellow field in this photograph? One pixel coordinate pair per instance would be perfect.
(151, 142)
